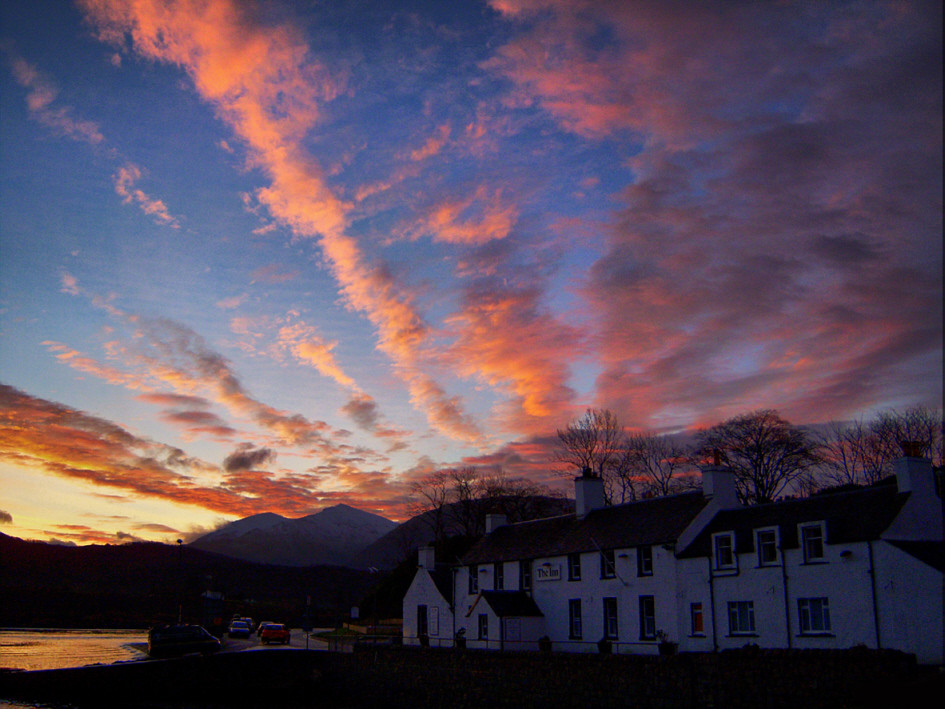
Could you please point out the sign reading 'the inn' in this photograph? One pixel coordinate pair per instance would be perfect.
(551, 572)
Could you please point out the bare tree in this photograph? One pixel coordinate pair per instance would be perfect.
(596, 441)
(859, 452)
(765, 451)
(592, 441)
(658, 463)
(431, 495)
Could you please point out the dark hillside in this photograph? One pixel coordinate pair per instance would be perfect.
(137, 585)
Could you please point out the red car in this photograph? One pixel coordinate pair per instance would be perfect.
(274, 633)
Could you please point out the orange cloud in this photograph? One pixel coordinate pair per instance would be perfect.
(476, 220)
(433, 145)
(267, 86)
(40, 98)
(506, 338)
(125, 179)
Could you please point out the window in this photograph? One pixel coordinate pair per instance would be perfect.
(644, 561)
(766, 544)
(574, 567)
(607, 568)
(723, 547)
(647, 618)
(695, 619)
(812, 542)
(741, 617)
(575, 629)
(814, 614)
(525, 575)
(610, 618)
(498, 576)
(422, 627)
(483, 626)
(473, 579)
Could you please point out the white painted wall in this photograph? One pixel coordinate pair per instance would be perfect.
(424, 591)
(910, 603)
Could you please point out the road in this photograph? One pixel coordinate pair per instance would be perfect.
(297, 640)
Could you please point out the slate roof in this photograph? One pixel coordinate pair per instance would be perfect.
(854, 516)
(928, 552)
(656, 521)
(505, 604)
(442, 577)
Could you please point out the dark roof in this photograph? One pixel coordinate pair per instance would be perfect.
(442, 577)
(507, 604)
(853, 516)
(655, 521)
(928, 552)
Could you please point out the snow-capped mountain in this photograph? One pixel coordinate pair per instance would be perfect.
(333, 536)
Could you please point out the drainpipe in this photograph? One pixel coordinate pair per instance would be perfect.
(869, 545)
(787, 603)
(715, 637)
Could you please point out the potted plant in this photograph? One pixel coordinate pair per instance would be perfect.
(666, 646)
(460, 639)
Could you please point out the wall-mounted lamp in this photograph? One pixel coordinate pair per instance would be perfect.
(547, 563)
(623, 556)
(846, 554)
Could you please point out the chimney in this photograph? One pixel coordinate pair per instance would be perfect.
(913, 471)
(921, 516)
(718, 484)
(494, 520)
(426, 558)
(588, 493)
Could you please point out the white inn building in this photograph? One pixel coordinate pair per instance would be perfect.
(697, 572)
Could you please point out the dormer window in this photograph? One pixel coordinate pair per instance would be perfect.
(812, 542)
(723, 550)
(766, 544)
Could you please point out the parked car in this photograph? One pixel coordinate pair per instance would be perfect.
(260, 627)
(239, 629)
(275, 633)
(174, 640)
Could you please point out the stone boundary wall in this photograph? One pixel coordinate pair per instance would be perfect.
(749, 678)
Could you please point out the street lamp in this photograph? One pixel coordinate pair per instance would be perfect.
(180, 581)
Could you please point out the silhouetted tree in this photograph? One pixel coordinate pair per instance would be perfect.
(766, 453)
(659, 464)
(863, 452)
(597, 441)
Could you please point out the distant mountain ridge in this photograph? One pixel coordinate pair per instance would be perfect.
(333, 536)
(399, 543)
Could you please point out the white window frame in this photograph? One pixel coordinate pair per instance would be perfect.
(574, 567)
(803, 538)
(575, 621)
(695, 611)
(716, 561)
(611, 618)
(645, 561)
(814, 612)
(473, 586)
(483, 626)
(777, 546)
(608, 564)
(741, 617)
(648, 618)
(498, 576)
(525, 575)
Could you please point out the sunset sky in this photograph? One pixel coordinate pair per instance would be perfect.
(273, 256)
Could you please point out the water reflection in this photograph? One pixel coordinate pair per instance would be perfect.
(54, 649)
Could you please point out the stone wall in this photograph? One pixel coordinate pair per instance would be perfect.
(415, 677)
